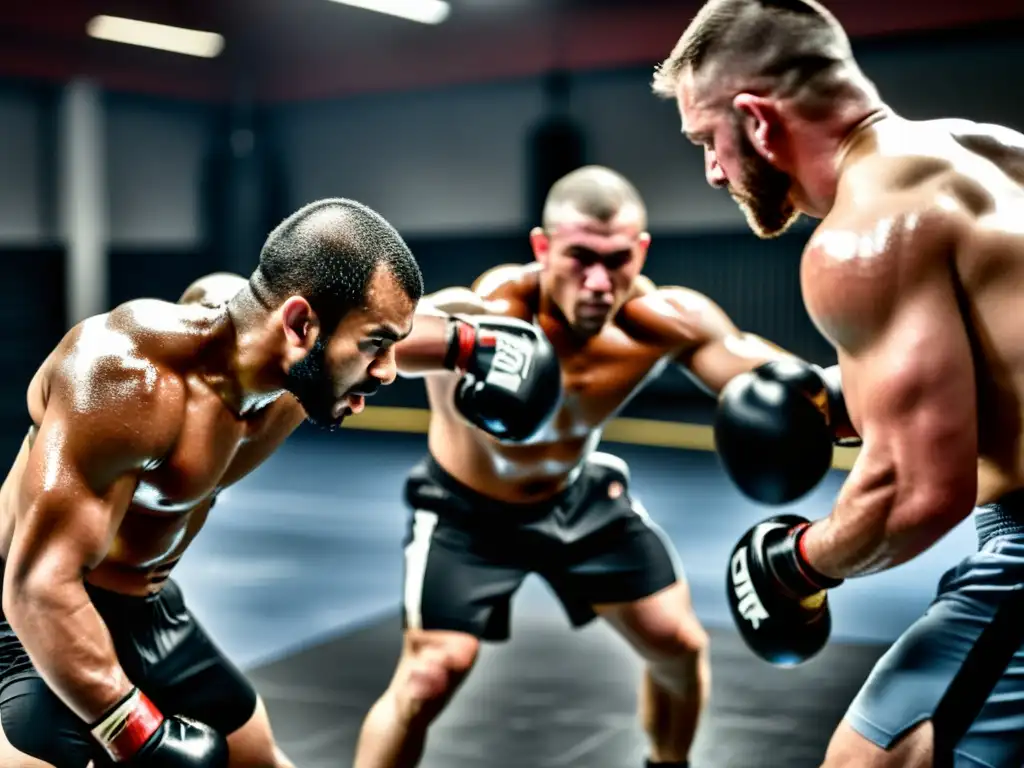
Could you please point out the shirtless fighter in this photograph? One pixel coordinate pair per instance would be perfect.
(488, 511)
(916, 275)
(139, 417)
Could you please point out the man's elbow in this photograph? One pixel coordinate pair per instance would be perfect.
(23, 594)
(36, 586)
(931, 511)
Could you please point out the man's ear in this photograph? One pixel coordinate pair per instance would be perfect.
(645, 242)
(541, 244)
(300, 326)
(760, 121)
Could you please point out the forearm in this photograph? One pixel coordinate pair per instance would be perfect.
(870, 531)
(425, 349)
(716, 363)
(845, 545)
(67, 641)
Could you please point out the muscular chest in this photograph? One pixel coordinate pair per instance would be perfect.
(214, 450)
(596, 385)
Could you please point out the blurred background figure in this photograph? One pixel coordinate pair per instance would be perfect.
(144, 144)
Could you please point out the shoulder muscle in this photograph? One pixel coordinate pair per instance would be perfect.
(855, 276)
(119, 404)
(509, 289)
(508, 281)
(678, 316)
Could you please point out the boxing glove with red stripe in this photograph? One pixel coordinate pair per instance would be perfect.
(778, 602)
(135, 733)
(511, 378)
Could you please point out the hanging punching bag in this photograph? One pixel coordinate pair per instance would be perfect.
(556, 145)
(243, 190)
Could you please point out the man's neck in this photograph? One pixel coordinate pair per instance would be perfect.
(252, 362)
(820, 164)
(559, 330)
(858, 132)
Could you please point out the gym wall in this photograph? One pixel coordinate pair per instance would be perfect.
(449, 167)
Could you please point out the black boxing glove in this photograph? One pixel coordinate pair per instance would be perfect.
(511, 378)
(843, 432)
(778, 602)
(135, 733)
(774, 429)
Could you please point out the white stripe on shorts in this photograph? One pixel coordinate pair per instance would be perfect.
(416, 552)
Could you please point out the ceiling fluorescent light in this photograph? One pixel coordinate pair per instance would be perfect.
(190, 42)
(423, 11)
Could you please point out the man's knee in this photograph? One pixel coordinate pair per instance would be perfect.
(686, 641)
(433, 665)
(666, 633)
(677, 658)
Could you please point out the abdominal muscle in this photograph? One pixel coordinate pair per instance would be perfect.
(518, 474)
(144, 550)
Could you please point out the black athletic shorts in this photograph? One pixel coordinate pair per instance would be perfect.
(164, 652)
(467, 554)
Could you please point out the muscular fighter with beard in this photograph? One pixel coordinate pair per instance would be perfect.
(915, 273)
(139, 417)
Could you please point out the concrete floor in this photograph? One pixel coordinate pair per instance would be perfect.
(297, 576)
(553, 698)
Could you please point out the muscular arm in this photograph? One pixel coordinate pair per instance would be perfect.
(908, 358)
(102, 425)
(714, 349)
(500, 291)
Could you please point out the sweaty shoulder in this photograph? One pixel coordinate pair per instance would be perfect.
(510, 289)
(102, 380)
(863, 260)
(673, 315)
(509, 280)
(934, 161)
(162, 331)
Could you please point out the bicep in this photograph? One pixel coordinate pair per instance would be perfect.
(70, 509)
(501, 290)
(461, 301)
(719, 350)
(98, 434)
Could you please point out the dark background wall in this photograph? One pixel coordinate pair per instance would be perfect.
(450, 167)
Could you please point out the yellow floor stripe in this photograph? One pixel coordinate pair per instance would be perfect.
(666, 434)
